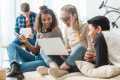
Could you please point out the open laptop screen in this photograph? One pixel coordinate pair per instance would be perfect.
(52, 46)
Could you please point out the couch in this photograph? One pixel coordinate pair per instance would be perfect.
(112, 37)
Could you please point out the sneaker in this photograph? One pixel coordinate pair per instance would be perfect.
(20, 76)
(15, 71)
(42, 70)
(56, 73)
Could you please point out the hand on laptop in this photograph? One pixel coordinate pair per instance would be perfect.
(41, 36)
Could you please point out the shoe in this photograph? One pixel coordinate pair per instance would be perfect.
(56, 73)
(15, 71)
(42, 70)
(20, 76)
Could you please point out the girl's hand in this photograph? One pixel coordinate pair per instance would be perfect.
(90, 56)
(41, 36)
(23, 38)
(35, 49)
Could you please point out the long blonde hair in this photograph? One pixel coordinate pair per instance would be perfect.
(73, 11)
(78, 26)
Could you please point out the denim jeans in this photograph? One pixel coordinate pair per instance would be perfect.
(50, 58)
(27, 61)
(77, 53)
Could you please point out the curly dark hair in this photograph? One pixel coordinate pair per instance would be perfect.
(39, 25)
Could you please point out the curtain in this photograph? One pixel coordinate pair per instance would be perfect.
(7, 21)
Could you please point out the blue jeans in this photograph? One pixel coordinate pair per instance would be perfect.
(77, 53)
(27, 61)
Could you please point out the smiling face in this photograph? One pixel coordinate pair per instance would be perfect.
(46, 20)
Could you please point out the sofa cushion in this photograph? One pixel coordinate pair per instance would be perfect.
(106, 71)
(112, 38)
(72, 76)
(79, 76)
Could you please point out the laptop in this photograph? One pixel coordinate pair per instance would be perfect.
(52, 46)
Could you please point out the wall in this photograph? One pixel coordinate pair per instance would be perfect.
(92, 8)
(93, 5)
(34, 5)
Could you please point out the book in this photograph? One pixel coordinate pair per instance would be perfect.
(27, 32)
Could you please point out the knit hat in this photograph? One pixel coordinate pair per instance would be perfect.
(100, 21)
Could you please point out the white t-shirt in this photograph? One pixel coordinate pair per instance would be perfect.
(71, 36)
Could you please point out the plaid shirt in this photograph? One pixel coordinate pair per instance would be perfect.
(21, 21)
